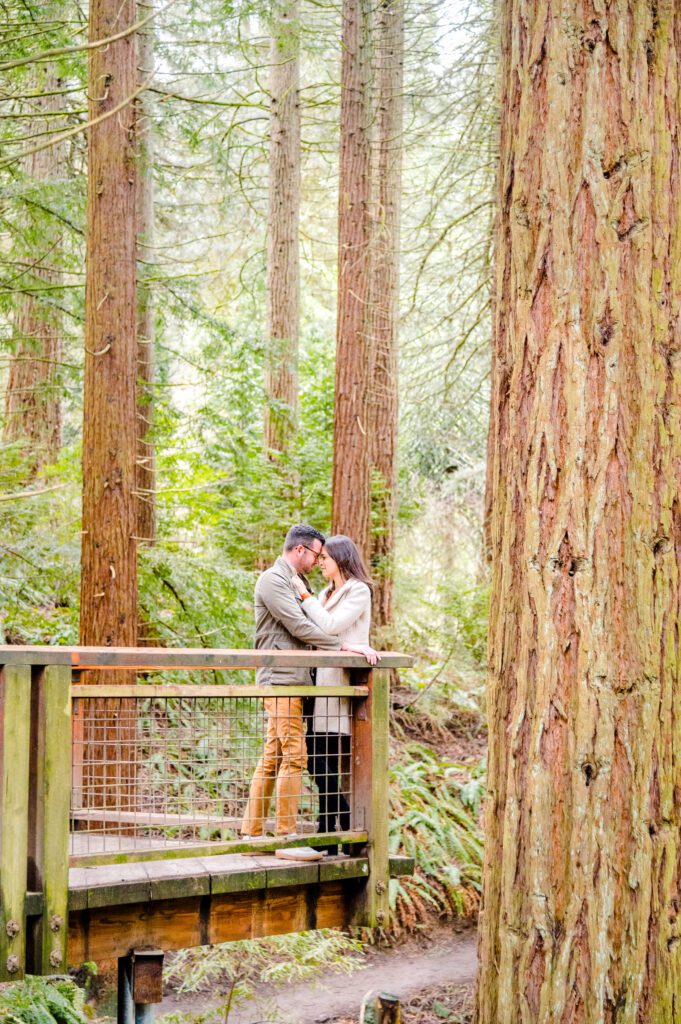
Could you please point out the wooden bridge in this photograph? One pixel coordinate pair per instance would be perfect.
(122, 787)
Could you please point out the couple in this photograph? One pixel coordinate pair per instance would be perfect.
(289, 617)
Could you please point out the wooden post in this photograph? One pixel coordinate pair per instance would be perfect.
(49, 819)
(380, 1009)
(15, 703)
(370, 795)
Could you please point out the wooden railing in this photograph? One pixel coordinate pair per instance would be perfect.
(48, 749)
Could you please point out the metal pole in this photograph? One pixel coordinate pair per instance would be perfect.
(140, 976)
(126, 1007)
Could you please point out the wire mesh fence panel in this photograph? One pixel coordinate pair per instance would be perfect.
(157, 771)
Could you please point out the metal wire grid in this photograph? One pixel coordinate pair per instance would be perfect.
(159, 772)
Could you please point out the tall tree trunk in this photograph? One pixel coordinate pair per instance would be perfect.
(351, 488)
(146, 452)
(283, 273)
(580, 919)
(109, 555)
(385, 270)
(32, 399)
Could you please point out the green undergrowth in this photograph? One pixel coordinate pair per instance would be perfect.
(438, 770)
(236, 967)
(435, 807)
(39, 1001)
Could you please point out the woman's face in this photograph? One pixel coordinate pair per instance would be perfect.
(327, 565)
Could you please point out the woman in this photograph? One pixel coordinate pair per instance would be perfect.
(343, 610)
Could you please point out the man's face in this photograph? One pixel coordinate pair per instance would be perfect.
(307, 555)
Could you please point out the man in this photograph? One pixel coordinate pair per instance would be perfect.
(281, 624)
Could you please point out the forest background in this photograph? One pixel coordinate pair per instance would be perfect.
(220, 501)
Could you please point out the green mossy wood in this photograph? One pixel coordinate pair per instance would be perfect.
(15, 703)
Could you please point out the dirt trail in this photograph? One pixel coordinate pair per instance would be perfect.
(404, 971)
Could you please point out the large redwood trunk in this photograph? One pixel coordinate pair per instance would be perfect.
(385, 277)
(32, 398)
(351, 472)
(109, 563)
(283, 273)
(583, 855)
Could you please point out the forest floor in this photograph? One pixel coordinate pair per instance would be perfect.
(433, 979)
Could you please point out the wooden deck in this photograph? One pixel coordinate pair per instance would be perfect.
(105, 904)
(205, 900)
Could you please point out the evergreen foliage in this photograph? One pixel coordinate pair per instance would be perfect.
(40, 1001)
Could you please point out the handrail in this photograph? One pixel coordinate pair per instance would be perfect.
(150, 658)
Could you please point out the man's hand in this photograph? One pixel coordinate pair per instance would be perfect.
(372, 656)
(299, 586)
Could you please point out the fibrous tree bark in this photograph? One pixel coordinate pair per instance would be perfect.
(283, 271)
(384, 304)
(146, 452)
(32, 399)
(351, 486)
(109, 567)
(580, 918)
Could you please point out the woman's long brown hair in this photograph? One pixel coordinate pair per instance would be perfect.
(346, 555)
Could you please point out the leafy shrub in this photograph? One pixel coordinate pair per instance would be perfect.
(279, 959)
(39, 1001)
(435, 805)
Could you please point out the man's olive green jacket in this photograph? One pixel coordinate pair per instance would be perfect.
(281, 625)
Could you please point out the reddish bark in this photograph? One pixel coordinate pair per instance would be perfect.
(351, 487)
(581, 881)
(109, 550)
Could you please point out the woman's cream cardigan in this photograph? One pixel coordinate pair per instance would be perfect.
(345, 613)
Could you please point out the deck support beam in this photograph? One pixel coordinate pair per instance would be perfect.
(371, 797)
(140, 986)
(50, 790)
(15, 701)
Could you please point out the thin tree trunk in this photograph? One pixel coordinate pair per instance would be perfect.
(283, 273)
(580, 918)
(351, 487)
(385, 269)
(32, 399)
(146, 452)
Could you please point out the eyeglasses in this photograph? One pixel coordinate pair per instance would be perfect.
(317, 554)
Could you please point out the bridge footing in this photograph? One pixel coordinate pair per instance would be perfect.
(140, 986)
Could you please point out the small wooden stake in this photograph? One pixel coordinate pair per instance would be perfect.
(383, 1008)
(15, 703)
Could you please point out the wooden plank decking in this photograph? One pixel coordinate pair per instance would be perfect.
(204, 900)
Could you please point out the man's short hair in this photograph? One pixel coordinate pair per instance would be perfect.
(302, 534)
